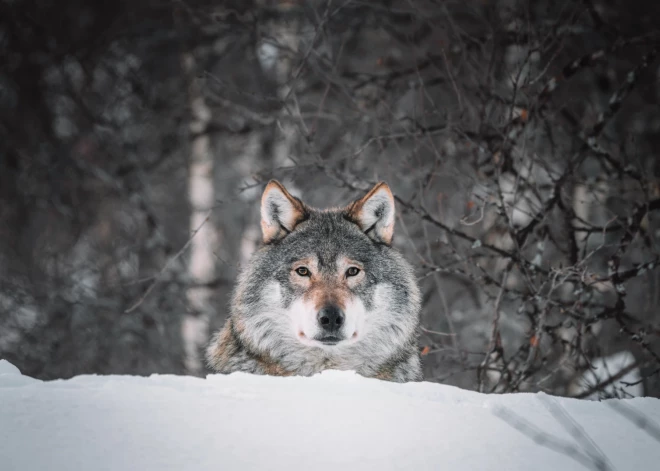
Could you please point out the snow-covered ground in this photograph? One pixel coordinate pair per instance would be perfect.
(336, 421)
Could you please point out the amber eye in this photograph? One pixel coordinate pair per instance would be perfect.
(302, 271)
(352, 271)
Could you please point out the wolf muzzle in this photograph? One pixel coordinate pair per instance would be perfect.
(330, 319)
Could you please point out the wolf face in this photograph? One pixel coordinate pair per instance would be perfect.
(326, 290)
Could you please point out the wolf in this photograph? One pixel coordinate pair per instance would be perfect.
(326, 290)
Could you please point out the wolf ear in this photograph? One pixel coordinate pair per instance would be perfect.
(280, 212)
(374, 213)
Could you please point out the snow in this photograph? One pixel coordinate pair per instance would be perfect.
(336, 420)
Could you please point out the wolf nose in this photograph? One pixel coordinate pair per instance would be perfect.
(331, 318)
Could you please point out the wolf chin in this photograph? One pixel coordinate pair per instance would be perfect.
(325, 291)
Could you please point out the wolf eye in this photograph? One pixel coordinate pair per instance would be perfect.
(302, 271)
(352, 271)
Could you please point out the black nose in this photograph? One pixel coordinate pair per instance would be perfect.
(330, 318)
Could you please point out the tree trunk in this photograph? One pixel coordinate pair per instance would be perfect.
(205, 237)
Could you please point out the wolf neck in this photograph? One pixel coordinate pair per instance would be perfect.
(229, 352)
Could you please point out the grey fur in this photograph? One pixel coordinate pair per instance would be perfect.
(258, 338)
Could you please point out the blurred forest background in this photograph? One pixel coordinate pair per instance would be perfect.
(521, 138)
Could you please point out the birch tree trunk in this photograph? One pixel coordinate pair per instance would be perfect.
(205, 237)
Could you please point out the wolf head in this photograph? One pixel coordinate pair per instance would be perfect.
(326, 289)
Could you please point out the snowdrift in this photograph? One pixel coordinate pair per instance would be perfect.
(334, 421)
